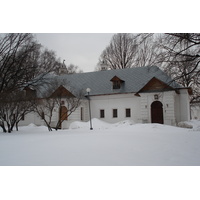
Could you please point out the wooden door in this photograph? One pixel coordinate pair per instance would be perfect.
(63, 115)
(157, 112)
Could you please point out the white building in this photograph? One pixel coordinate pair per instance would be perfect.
(144, 95)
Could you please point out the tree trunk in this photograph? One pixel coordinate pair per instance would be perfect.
(16, 125)
(9, 128)
(3, 127)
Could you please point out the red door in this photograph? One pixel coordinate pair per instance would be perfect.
(157, 112)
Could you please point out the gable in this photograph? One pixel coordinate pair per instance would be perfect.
(61, 92)
(115, 78)
(155, 85)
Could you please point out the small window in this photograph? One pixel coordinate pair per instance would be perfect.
(116, 84)
(102, 114)
(81, 113)
(128, 112)
(114, 113)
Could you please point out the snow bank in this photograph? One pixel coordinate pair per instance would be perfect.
(32, 128)
(99, 124)
(193, 124)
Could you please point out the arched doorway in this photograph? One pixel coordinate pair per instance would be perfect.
(157, 112)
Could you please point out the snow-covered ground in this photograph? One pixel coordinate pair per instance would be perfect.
(120, 144)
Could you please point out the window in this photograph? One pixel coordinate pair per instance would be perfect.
(81, 113)
(128, 112)
(114, 113)
(116, 84)
(102, 114)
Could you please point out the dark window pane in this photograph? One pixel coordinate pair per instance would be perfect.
(116, 84)
(128, 112)
(102, 114)
(115, 113)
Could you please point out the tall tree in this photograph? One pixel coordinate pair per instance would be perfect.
(22, 60)
(128, 50)
(120, 52)
(148, 50)
(13, 107)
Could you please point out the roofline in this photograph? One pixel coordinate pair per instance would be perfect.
(135, 93)
(112, 94)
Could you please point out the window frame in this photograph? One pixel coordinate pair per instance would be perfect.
(82, 113)
(115, 113)
(116, 84)
(128, 111)
(102, 113)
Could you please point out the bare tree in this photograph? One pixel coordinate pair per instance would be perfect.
(13, 108)
(44, 104)
(148, 50)
(181, 54)
(128, 50)
(71, 103)
(44, 108)
(120, 52)
(22, 61)
(54, 97)
(15, 51)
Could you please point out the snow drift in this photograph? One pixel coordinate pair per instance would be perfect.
(120, 144)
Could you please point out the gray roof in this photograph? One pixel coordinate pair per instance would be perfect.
(134, 80)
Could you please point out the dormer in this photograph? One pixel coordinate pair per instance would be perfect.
(61, 92)
(117, 82)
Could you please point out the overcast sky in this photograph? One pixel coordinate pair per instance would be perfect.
(81, 49)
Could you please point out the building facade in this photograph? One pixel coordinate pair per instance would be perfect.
(144, 95)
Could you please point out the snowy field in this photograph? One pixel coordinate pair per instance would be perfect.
(120, 144)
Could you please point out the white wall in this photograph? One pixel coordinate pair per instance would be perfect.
(166, 98)
(175, 108)
(119, 102)
(76, 116)
(31, 118)
(184, 105)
